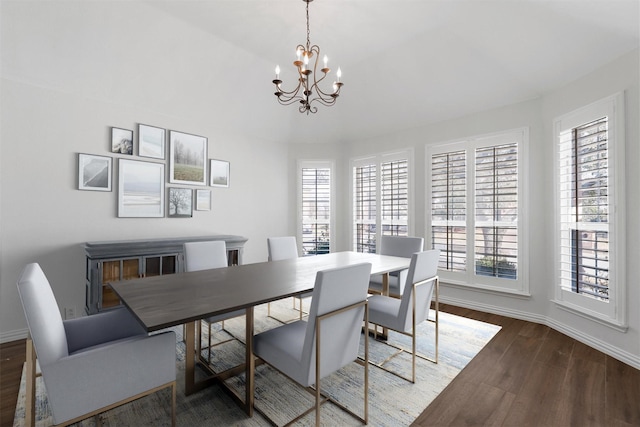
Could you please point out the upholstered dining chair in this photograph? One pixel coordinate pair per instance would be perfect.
(280, 248)
(405, 314)
(203, 256)
(401, 246)
(90, 364)
(307, 351)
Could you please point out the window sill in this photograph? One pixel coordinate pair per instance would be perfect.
(592, 315)
(488, 289)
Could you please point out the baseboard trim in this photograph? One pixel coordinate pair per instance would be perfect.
(615, 352)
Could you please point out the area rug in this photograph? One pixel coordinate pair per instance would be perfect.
(392, 401)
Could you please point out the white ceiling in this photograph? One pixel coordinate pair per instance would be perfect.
(409, 63)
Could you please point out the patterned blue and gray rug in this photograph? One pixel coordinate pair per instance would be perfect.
(392, 401)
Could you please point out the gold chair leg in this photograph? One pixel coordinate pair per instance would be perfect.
(173, 405)
(30, 411)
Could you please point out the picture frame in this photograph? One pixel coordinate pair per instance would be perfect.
(140, 189)
(94, 172)
(203, 200)
(121, 141)
(219, 173)
(187, 158)
(180, 202)
(151, 141)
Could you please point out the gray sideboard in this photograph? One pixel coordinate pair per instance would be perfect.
(111, 261)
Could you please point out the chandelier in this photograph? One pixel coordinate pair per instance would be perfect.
(308, 90)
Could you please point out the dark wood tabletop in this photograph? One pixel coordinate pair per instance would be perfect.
(163, 301)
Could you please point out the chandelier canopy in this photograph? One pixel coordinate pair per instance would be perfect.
(308, 90)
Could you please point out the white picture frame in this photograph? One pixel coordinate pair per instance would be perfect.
(141, 191)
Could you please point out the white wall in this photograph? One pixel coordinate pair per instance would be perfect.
(538, 114)
(70, 71)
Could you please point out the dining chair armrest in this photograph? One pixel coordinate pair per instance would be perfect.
(111, 325)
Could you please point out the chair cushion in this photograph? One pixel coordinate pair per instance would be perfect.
(384, 311)
(282, 347)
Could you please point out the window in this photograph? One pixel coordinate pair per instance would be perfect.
(315, 207)
(380, 199)
(475, 203)
(589, 179)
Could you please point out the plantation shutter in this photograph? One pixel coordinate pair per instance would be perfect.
(394, 189)
(316, 210)
(496, 210)
(448, 209)
(365, 208)
(584, 209)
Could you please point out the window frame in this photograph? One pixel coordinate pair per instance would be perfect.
(378, 160)
(316, 164)
(612, 312)
(468, 278)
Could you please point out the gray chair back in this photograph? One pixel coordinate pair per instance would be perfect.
(402, 246)
(205, 255)
(339, 334)
(43, 316)
(424, 266)
(282, 248)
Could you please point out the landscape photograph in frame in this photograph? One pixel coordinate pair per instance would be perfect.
(94, 172)
(180, 203)
(203, 200)
(121, 141)
(140, 189)
(187, 160)
(151, 141)
(219, 173)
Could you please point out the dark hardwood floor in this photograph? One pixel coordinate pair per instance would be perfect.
(528, 375)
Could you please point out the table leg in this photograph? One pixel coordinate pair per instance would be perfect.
(250, 363)
(190, 363)
(30, 410)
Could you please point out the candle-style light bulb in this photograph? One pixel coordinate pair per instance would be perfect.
(339, 74)
(325, 61)
(277, 71)
(298, 53)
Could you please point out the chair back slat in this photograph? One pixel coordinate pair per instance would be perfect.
(340, 333)
(43, 315)
(423, 268)
(205, 255)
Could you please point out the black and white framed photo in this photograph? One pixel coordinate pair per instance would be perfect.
(187, 159)
(219, 173)
(203, 200)
(140, 189)
(151, 141)
(121, 141)
(180, 202)
(94, 172)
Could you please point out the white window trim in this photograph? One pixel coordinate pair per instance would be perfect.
(612, 313)
(467, 279)
(316, 164)
(378, 159)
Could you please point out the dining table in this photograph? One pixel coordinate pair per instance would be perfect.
(185, 298)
